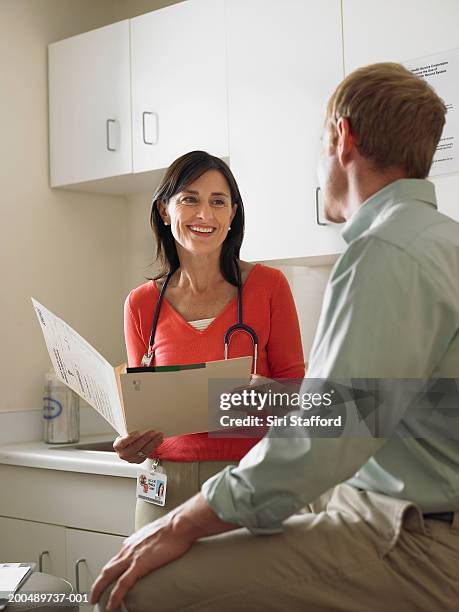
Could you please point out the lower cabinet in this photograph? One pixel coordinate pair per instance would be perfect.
(73, 554)
(23, 541)
(86, 554)
(45, 518)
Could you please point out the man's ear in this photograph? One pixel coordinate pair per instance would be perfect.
(345, 141)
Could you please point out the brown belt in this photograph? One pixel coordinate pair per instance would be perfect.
(446, 517)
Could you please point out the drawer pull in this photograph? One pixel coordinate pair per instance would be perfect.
(77, 574)
(318, 221)
(40, 559)
(107, 124)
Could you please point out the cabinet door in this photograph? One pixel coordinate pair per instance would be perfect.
(178, 83)
(284, 60)
(89, 106)
(396, 31)
(23, 541)
(93, 550)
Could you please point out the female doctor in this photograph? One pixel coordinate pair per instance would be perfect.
(186, 314)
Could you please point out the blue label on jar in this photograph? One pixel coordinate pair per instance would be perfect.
(51, 408)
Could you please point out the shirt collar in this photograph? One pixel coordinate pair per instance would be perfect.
(402, 190)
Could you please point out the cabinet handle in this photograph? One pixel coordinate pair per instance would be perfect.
(77, 573)
(107, 124)
(40, 559)
(318, 221)
(155, 115)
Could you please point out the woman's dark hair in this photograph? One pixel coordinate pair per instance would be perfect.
(181, 173)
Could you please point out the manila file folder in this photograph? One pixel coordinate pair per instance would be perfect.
(172, 399)
(177, 402)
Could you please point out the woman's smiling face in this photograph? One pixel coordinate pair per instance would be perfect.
(201, 214)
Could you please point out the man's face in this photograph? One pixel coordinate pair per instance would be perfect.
(332, 180)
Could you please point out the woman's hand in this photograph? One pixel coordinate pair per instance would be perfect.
(135, 447)
(257, 379)
(257, 394)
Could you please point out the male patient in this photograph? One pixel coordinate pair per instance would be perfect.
(387, 534)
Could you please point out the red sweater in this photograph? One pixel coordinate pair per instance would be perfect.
(268, 307)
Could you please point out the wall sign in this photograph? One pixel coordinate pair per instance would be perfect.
(442, 72)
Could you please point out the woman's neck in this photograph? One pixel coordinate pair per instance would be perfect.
(198, 273)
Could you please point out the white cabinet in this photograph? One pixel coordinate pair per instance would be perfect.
(178, 83)
(447, 190)
(284, 61)
(60, 523)
(22, 541)
(171, 61)
(89, 106)
(72, 554)
(395, 31)
(86, 553)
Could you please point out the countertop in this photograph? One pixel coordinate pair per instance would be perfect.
(38, 454)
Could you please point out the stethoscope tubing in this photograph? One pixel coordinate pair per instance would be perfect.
(239, 326)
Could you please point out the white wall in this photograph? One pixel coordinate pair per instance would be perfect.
(64, 248)
(308, 285)
(140, 260)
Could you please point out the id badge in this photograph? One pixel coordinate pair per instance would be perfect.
(151, 486)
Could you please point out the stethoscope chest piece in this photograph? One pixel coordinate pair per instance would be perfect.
(239, 326)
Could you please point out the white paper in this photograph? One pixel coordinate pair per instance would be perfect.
(441, 71)
(10, 577)
(81, 367)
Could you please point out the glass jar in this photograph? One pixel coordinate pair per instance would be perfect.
(61, 412)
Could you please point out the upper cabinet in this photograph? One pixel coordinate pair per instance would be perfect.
(178, 83)
(284, 61)
(246, 80)
(133, 96)
(90, 106)
(394, 31)
(238, 78)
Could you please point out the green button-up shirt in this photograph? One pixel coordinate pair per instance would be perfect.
(391, 310)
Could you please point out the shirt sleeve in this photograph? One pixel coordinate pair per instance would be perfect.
(284, 349)
(382, 317)
(135, 345)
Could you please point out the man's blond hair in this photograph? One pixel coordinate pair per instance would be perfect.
(396, 117)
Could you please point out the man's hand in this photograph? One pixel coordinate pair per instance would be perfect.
(155, 545)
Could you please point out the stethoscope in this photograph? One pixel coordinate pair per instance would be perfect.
(239, 326)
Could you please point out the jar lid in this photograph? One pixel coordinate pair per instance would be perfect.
(52, 379)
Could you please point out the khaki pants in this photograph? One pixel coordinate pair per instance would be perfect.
(360, 552)
(183, 481)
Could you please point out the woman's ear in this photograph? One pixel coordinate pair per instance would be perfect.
(162, 208)
(233, 212)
